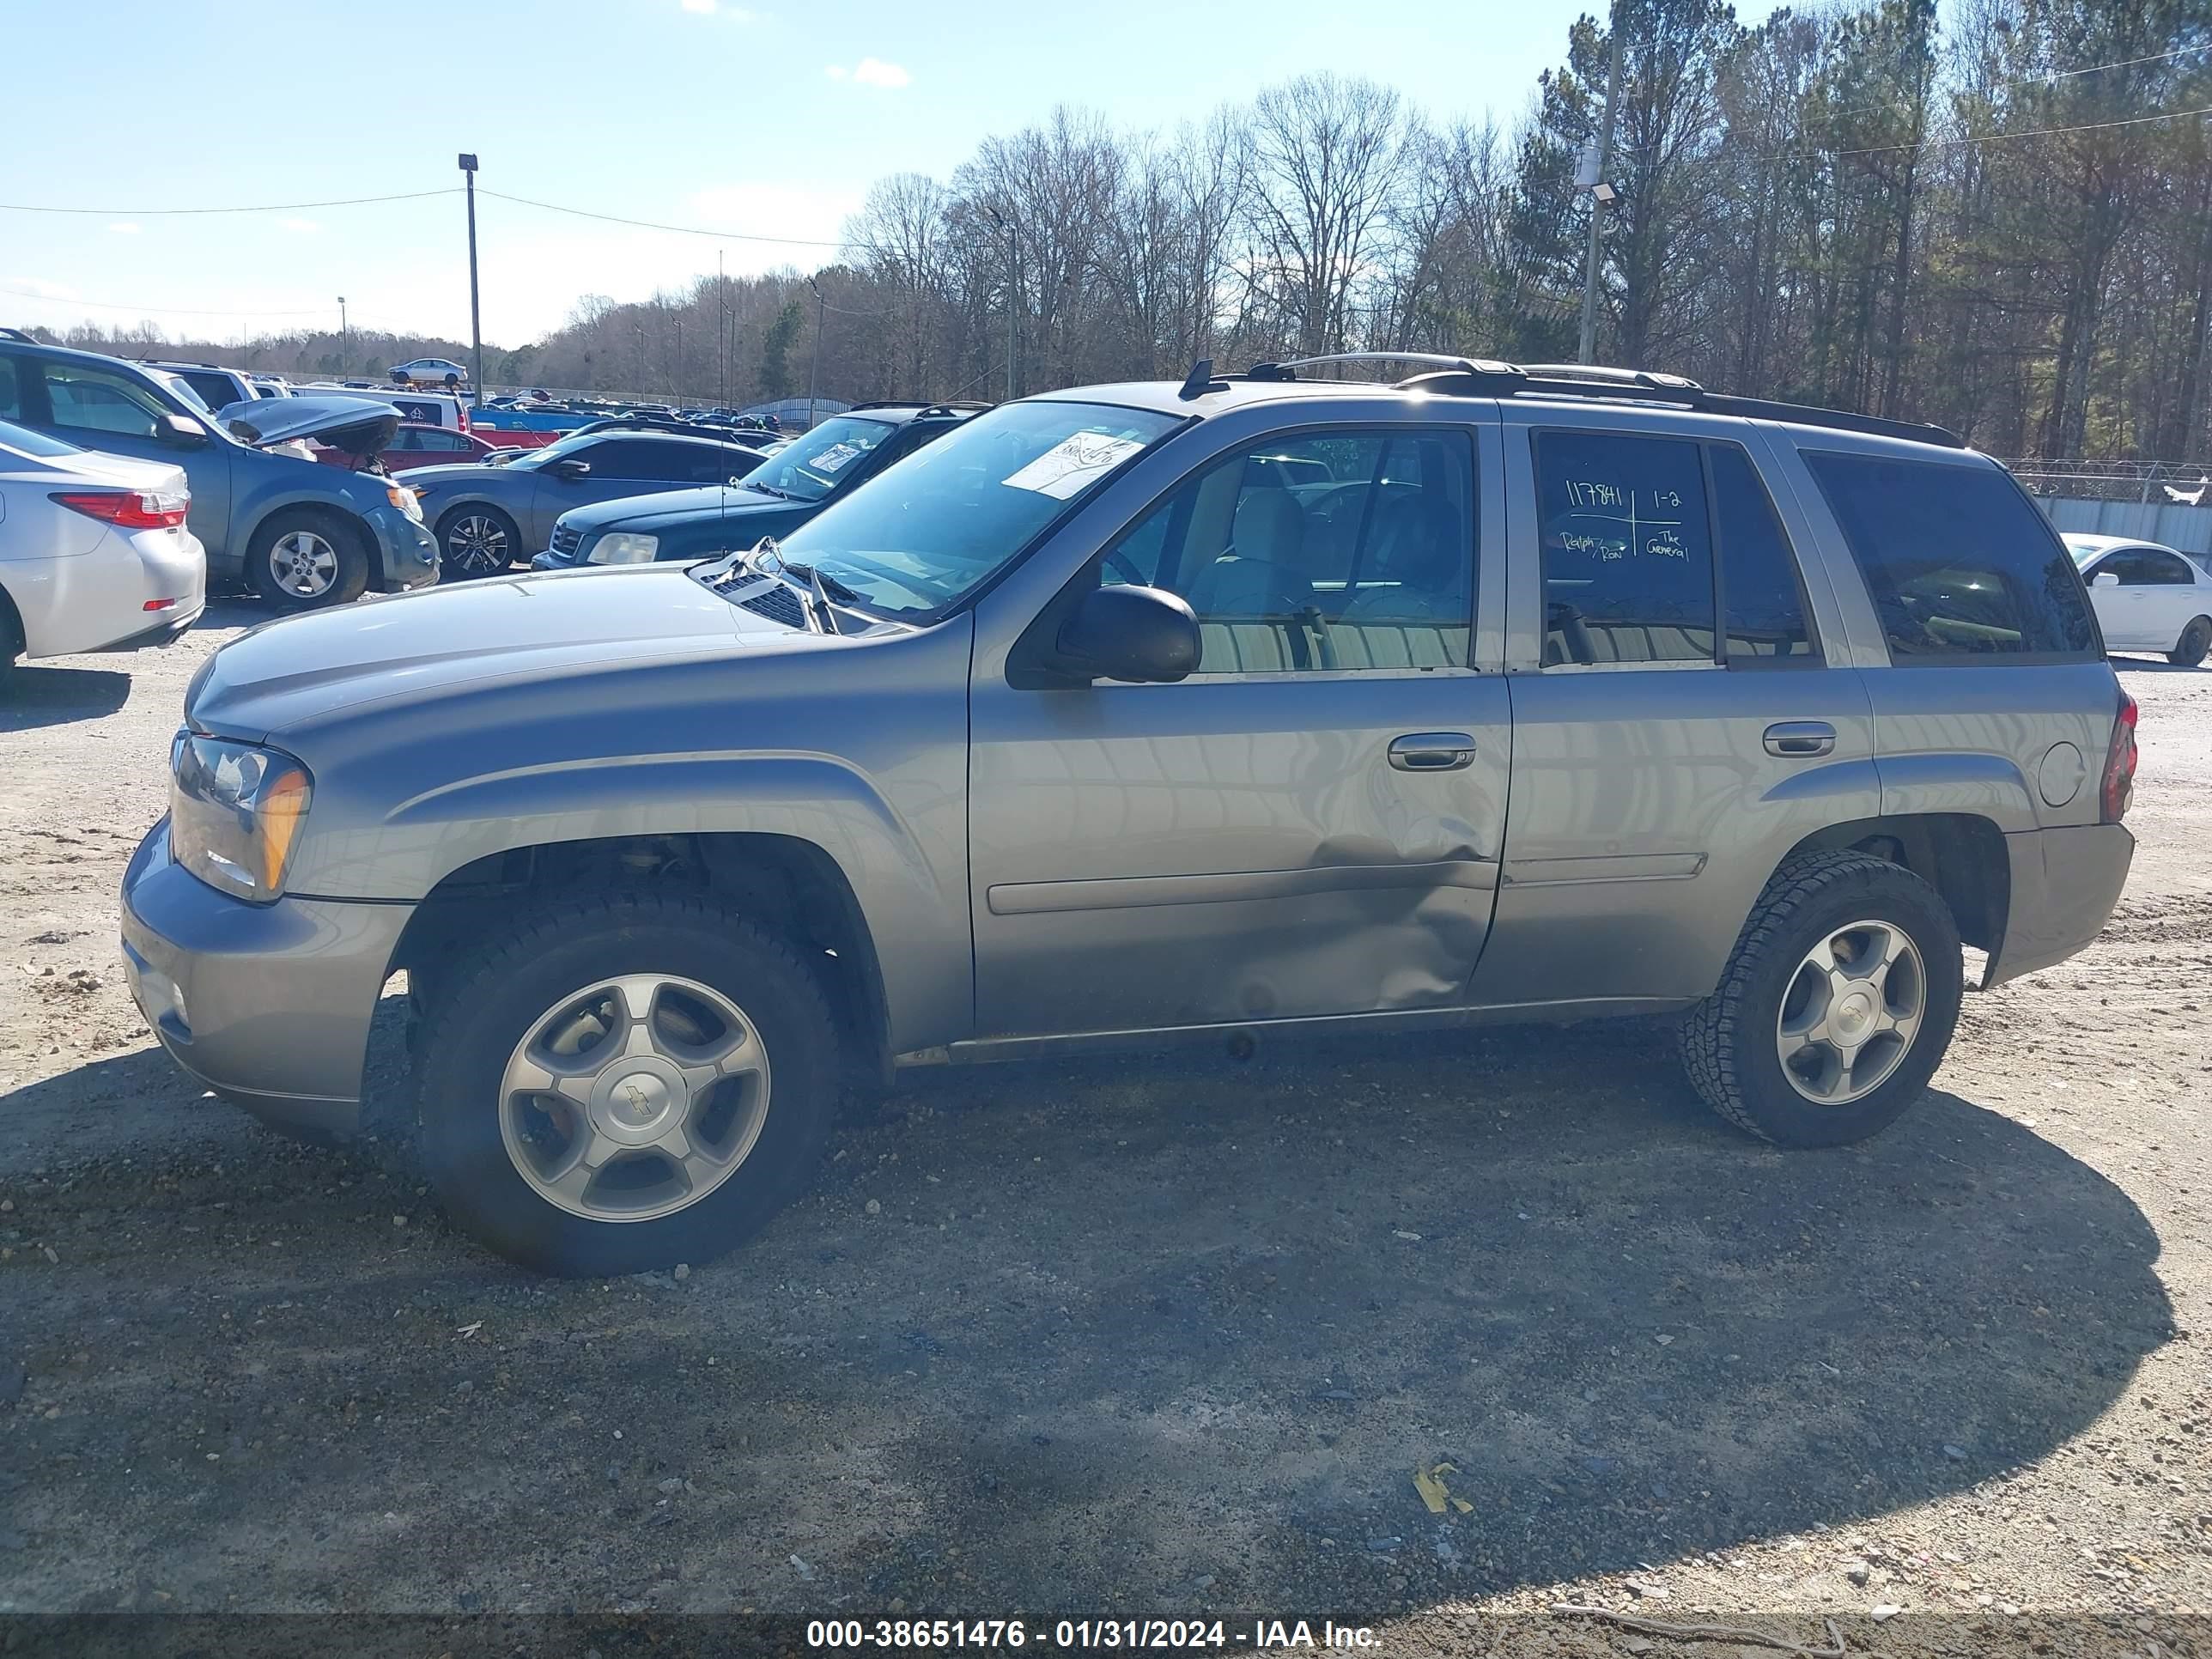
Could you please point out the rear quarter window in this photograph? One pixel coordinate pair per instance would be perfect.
(1960, 566)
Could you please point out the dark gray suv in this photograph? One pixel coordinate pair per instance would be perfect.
(1145, 712)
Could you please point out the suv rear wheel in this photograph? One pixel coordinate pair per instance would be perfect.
(301, 558)
(623, 1083)
(1836, 1007)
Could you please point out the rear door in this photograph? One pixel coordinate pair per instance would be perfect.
(1683, 709)
(1308, 825)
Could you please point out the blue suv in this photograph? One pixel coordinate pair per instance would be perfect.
(299, 533)
(793, 484)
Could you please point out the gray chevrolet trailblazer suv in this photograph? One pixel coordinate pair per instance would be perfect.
(1253, 703)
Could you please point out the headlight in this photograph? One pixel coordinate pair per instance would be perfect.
(406, 500)
(625, 549)
(234, 811)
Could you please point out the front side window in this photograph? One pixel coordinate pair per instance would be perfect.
(11, 390)
(86, 399)
(1959, 563)
(930, 529)
(1627, 549)
(1345, 552)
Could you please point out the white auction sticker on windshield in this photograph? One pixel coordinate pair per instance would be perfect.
(833, 458)
(1068, 466)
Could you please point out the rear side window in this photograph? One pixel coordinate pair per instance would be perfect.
(11, 391)
(1959, 563)
(1628, 552)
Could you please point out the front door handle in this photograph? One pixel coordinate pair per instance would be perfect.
(1433, 751)
(1800, 739)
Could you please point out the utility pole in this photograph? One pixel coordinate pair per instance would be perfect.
(345, 342)
(721, 359)
(814, 370)
(1601, 194)
(1013, 296)
(679, 376)
(475, 316)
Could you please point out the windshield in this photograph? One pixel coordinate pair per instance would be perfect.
(947, 517)
(24, 442)
(816, 464)
(186, 393)
(546, 454)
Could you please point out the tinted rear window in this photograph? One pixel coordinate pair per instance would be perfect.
(1959, 563)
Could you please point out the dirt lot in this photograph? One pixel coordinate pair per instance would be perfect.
(1133, 1338)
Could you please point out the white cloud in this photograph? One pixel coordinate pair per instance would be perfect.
(123, 227)
(300, 227)
(870, 72)
(716, 8)
(43, 289)
(704, 7)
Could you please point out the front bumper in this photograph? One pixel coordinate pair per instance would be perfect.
(268, 1005)
(406, 552)
(2064, 884)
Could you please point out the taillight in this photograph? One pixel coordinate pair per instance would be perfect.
(130, 509)
(2119, 784)
(462, 409)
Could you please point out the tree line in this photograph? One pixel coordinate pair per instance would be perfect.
(1998, 217)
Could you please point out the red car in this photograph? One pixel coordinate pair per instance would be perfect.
(418, 444)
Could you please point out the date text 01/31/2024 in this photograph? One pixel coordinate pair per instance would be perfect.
(1082, 1633)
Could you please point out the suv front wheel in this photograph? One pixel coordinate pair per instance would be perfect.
(1836, 1007)
(624, 1082)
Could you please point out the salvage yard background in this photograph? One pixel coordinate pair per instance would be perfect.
(1128, 1337)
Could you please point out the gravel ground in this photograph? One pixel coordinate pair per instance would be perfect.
(1141, 1337)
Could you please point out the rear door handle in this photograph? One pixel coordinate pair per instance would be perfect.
(1433, 751)
(1800, 739)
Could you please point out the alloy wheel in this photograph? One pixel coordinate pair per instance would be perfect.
(634, 1097)
(1850, 1012)
(477, 546)
(304, 563)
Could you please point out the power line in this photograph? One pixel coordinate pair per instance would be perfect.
(262, 207)
(2005, 138)
(169, 311)
(648, 224)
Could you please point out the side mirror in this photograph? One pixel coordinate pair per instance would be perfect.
(178, 431)
(1145, 634)
(2104, 579)
(572, 469)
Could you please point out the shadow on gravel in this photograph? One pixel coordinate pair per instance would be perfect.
(1121, 1338)
(33, 696)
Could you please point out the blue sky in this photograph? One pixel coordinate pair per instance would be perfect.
(771, 116)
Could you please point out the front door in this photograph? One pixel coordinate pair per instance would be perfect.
(1310, 823)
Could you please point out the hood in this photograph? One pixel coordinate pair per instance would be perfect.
(677, 506)
(444, 642)
(357, 424)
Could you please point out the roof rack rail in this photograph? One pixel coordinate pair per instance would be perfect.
(1649, 385)
(924, 405)
(1287, 369)
(17, 335)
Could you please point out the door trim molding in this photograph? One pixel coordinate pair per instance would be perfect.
(1030, 898)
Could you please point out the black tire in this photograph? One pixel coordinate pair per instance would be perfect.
(2194, 645)
(465, 548)
(1729, 1041)
(11, 637)
(492, 996)
(453, 380)
(348, 556)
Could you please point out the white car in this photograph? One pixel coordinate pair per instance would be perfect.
(2147, 598)
(94, 551)
(429, 371)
